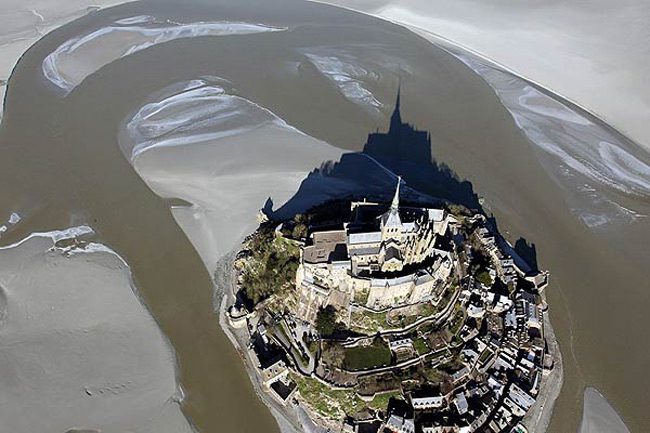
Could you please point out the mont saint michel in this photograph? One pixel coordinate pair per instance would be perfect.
(395, 316)
(294, 216)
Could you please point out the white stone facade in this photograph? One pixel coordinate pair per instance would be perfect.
(375, 259)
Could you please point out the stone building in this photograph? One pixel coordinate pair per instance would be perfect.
(383, 257)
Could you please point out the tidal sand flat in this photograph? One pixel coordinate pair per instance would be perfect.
(594, 53)
(85, 178)
(223, 154)
(75, 59)
(598, 416)
(23, 22)
(76, 339)
(357, 70)
(70, 168)
(583, 154)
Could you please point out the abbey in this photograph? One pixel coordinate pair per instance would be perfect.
(352, 301)
(380, 258)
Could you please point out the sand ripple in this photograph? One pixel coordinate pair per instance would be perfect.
(224, 154)
(585, 156)
(79, 57)
(578, 142)
(347, 74)
(356, 70)
(192, 112)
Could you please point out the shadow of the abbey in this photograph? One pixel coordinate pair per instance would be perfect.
(403, 150)
(406, 151)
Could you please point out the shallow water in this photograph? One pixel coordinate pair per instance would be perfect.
(62, 160)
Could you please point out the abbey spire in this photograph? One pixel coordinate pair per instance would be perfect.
(391, 223)
(395, 204)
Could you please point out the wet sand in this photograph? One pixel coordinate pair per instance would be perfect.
(598, 416)
(222, 154)
(23, 22)
(76, 339)
(592, 52)
(66, 167)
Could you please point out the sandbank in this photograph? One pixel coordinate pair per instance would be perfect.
(598, 416)
(76, 339)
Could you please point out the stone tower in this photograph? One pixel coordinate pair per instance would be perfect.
(391, 223)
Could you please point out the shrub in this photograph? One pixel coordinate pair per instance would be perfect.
(271, 266)
(326, 321)
(484, 278)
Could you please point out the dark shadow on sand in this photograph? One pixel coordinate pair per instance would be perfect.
(403, 150)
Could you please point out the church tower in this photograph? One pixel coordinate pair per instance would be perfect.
(391, 223)
(395, 203)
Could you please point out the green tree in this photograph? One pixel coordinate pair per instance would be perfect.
(326, 321)
(299, 231)
(300, 226)
(484, 278)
